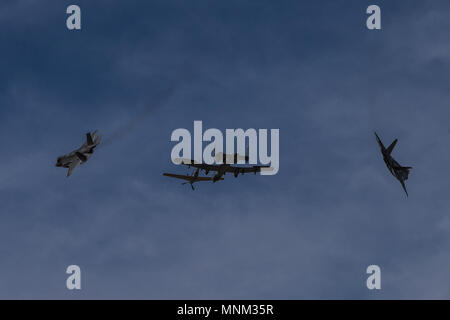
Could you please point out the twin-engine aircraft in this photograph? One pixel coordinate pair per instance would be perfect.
(220, 169)
(225, 167)
(398, 171)
(81, 155)
(190, 179)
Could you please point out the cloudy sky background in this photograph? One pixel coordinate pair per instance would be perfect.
(138, 70)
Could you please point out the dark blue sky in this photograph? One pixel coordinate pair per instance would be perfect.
(140, 69)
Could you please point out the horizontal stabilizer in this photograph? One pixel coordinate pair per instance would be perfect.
(405, 172)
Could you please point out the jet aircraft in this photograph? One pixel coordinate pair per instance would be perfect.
(398, 171)
(81, 155)
(190, 179)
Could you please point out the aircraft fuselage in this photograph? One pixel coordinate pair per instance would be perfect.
(399, 172)
(85, 152)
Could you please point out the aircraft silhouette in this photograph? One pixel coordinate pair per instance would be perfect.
(190, 179)
(398, 171)
(81, 155)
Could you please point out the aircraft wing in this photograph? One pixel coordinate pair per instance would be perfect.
(75, 163)
(243, 170)
(178, 176)
(207, 167)
(379, 141)
(218, 167)
(202, 166)
(205, 179)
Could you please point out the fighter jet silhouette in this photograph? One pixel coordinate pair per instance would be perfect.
(401, 173)
(81, 155)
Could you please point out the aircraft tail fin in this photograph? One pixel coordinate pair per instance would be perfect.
(392, 146)
(92, 139)
(89, 139)
(98, 139)
(379, 141)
